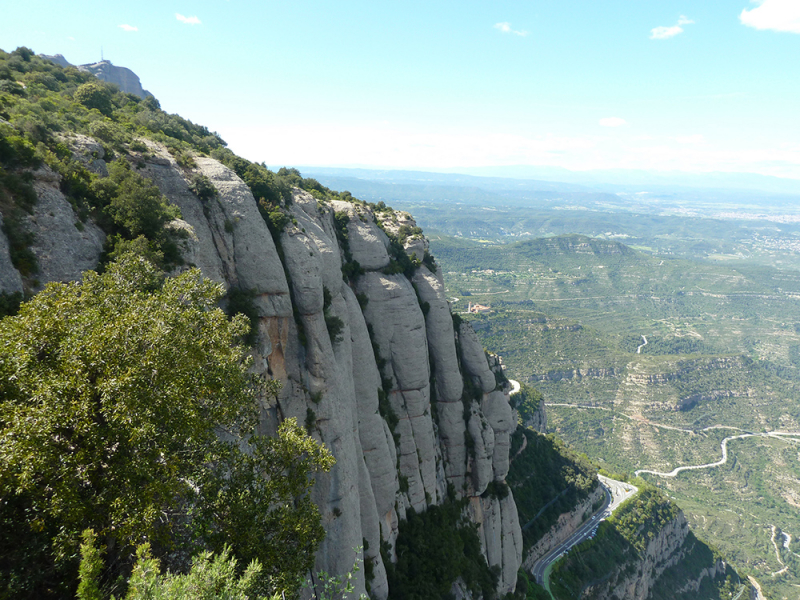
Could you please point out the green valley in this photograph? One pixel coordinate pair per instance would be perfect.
(640, 357)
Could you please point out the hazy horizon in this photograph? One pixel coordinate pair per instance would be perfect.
(581, 86)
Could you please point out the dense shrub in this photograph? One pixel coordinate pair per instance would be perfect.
(433, 549)
(96, 95)
(547, 479)
(242, 302)
(113, 391)
(202, 187)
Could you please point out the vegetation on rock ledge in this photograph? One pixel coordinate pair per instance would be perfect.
(113, 393)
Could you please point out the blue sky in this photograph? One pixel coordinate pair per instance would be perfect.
(693, 86)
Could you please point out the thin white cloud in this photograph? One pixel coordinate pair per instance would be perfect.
(128, 27)
(664, 33)
(613, 122)
(187, 20)
(777, 15)
(505, 27)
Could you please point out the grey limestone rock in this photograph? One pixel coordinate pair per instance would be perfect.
(415, 248)
(473, 358)
(371, 530)
(303, 262)
(483, 443)
(64, 246)
(398, 328)
(368, 243)
(87, 151)
(447, 375)
(441, 339)
(451, 431)
(376, 440)
(316, 223)
(501, 536)
(256, 261)
(205, 246)
(124, 78)
(324, 374)
(10, 279)
(498, 413)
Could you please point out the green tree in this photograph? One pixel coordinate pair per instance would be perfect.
(124, 405)
(94, 94)
(527, 401)
(136, 204)
(212, 577)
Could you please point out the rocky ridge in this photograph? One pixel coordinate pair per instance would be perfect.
(453, 419)
(636, 581)
(124, 78)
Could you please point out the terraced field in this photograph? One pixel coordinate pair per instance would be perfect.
(568, 315)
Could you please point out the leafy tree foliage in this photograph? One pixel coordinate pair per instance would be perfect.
(547, 479)
(527, 401)
(212, 577)
(433, 549)
(124, 405)
(94, 94)
(136, 204)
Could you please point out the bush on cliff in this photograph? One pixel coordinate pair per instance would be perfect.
(124, 405)
(433, 549)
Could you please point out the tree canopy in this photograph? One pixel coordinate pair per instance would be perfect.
(126, 407)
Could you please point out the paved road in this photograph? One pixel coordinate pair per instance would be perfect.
(514, 386)
(724, 459)
(616, 493)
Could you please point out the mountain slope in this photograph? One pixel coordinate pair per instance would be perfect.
(347, 305)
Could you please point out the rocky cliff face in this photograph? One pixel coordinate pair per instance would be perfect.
(124, 78)
(661, 552)
(636, 581)
(567, 523)
(398, 352)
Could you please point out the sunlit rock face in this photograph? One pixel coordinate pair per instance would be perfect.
(395, 392)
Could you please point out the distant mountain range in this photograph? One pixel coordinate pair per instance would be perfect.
(542, 178)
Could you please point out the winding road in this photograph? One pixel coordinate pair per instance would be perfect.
(677, 470)
(540, 568)
(616, 493)
(724, 446)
